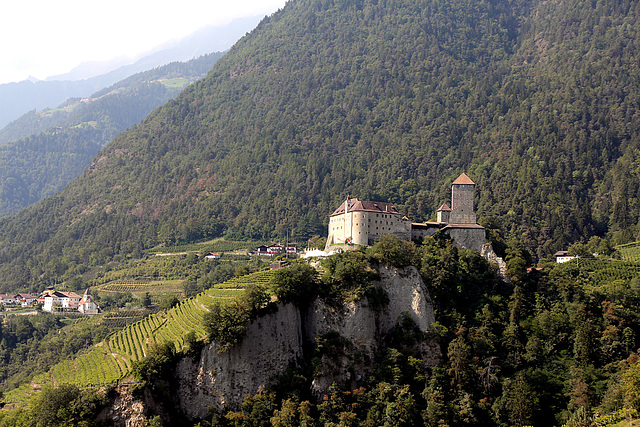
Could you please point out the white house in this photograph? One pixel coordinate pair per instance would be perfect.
(8, 299)
(25, 299)
(86, 305)
(61, 299)
(563, 256)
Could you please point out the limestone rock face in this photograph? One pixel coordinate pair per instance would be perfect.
(365, 328)
(125, 411)
(222, 380)
(488, 253)
(275, 341)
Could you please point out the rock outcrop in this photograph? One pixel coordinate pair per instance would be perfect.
(488, 253)
(275, 341)
(125, 410)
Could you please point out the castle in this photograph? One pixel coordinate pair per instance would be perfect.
(358, 222)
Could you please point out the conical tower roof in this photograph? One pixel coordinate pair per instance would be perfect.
(463, 180)
(86, 297)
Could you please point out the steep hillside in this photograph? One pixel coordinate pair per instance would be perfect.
(56, 145)
(111, 360)
(536, 101)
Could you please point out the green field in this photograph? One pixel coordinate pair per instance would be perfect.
(174, 83)
(630, 251)
(110, 361)
(217, 245)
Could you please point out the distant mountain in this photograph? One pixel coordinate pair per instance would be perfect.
(538, 102)
(204, 41)
(17, 99)
(62, 141)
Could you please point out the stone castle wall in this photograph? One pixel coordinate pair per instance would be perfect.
(468, 238)
(462, 204)
(365, 228)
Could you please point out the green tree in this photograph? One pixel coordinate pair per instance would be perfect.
(169, 302)
(393, 250)
(146, 300)
(297, 283)
(226, 323)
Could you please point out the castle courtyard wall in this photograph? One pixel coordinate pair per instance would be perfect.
(467, 238)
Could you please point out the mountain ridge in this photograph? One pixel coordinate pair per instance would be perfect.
(21, 97)
(57, 144)
(386, 102)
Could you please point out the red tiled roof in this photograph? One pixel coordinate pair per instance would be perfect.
(366, 206)
(444, 207)
(463, 179)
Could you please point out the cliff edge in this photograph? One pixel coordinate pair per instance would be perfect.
(278, 340)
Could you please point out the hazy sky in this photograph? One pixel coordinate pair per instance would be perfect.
(44, 38)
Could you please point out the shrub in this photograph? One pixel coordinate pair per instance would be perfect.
(298, 283)
(391, 249)
(226, 323)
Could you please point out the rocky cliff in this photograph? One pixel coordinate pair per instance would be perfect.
(276, 341)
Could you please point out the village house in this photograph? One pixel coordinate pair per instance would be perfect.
(274, 250)
(213, 255)
(8, 299)
(22, 299)
(53, 299)
(563, 256)
(26, 300)
(291, 249)
(87, 305)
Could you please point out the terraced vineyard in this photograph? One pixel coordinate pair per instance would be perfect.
(110, 361)
(603, 271)
(157, 289)
(122, 318)
(630, 251)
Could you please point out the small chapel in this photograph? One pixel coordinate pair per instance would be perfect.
(357, 222)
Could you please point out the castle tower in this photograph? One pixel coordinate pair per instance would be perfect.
(462, 191)
(443, 214)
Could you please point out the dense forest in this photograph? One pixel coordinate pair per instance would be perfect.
(556, 345)
(536, 101)
(43, 151)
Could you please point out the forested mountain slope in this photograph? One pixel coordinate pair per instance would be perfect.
(536, 101)
(54, 146)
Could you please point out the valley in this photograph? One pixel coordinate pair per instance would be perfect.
(344, 125)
